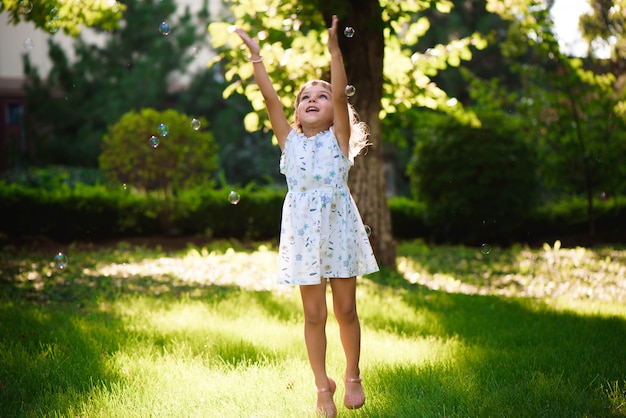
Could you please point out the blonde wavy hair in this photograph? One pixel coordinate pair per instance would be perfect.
(359, 131)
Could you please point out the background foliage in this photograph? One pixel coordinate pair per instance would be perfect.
(573, 108)
(65, 211)
(183, 158)
(478, 185)
(69, 109)
(69, 16)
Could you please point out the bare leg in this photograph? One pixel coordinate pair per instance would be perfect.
(315, 314)
(344, 306)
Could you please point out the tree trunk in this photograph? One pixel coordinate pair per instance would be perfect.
(363, 58)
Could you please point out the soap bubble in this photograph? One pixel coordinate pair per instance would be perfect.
(485, 249)
(195, 124)
(154, 141)
(350, 90)
(52, 26)
(125, 186)
(25, 7)
(368, 230)
(233, 197)
(28, 44)
(348, 31)
(195, 51)
(61, 260)
(163, 129)
(164, 28)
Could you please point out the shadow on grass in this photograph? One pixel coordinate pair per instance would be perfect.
(49, 357)
(516, 357)
(56, 341)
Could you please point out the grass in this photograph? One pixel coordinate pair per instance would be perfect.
(133, 331)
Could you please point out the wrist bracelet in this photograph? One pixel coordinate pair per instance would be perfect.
(256, 61)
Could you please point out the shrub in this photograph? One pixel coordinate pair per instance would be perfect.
(568, 217)
(65, 213)
(478, 184)
(407, 218)
(182, 159)
(52, 176)
(160, 152)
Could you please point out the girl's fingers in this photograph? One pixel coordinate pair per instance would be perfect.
(332, 32)
(244, 36)
(333, 24)
(250, 43)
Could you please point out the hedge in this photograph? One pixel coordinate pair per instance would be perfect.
(65, 214)
(93, 212)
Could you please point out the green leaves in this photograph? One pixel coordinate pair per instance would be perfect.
(478, 184)
(68, 16)
(183, 158)
(133, 69)
(292, 38)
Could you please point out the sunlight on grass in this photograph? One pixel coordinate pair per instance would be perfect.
(551, 272)
(205, 332)
(190, 356)
(252, 271)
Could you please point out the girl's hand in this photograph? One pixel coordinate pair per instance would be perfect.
(251, 43)
(333, 42)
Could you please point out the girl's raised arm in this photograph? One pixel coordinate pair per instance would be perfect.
(278, 120)
(339, 80)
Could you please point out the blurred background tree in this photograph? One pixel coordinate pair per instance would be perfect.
(163, 151)
(68, 16)
(68, 111)
(136, 66)
(244, 157)
(574, 108)
(478, 184)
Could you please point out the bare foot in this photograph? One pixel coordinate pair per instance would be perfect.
(354, 397)
(325, 404)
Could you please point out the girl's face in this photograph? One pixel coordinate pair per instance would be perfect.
(315, 108)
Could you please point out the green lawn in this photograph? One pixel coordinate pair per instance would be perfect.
(129, 331)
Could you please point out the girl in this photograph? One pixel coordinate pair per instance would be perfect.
(322, 236)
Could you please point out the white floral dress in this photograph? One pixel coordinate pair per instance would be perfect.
(322, 234)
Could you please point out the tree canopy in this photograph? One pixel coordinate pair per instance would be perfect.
(293, 37)
(68, 16)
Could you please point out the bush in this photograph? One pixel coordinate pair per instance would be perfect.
(407, 218)
(568, 217)
(65, 213)
(183, 158)
(477, 184)
(52, 176)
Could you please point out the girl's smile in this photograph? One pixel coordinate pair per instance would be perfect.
(314, 111)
